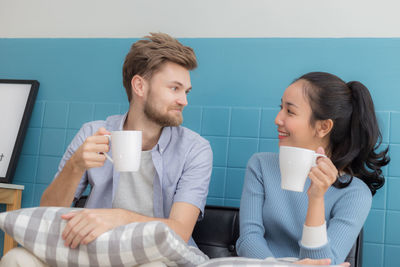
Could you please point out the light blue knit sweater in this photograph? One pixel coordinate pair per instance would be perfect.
(272, 219)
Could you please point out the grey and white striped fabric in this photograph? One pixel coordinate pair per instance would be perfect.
(39, 231)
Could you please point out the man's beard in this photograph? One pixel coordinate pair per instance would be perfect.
(163, 120)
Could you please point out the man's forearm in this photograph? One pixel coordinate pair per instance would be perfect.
(61, 191)
(178, 227)
(86, 225)
(181, 220)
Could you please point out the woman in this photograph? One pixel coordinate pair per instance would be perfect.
(321, 112)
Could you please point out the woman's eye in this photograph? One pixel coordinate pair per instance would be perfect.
(290, 112)
(174, 88)
(280, 106)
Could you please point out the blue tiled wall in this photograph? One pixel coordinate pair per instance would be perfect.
(235, 97)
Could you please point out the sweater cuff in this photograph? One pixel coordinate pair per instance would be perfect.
(314, 236)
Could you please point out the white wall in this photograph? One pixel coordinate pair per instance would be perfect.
(201, 18)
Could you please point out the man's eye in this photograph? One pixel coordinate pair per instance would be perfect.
(174, 88)
(280, 106)
(187, 92)
(290, 112)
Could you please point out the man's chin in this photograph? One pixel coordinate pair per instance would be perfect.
(170, 121)
(176, 122)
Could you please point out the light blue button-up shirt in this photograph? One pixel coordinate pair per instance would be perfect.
(182, 159)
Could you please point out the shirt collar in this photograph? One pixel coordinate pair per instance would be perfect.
(164, 139)
(121, 123)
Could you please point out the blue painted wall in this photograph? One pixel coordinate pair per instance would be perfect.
(235, 97)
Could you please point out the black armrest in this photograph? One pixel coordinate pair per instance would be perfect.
(355, 254)
(217, 233)
(80, 203)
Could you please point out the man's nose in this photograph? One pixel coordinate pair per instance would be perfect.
(182, 100)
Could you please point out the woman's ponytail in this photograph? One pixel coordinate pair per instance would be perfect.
(355, 136)
(366, 139)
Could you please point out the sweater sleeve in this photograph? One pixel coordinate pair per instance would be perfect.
(344, 224)
(251, 242)
(314, 236)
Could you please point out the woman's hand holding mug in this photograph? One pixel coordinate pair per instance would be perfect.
(322, 176)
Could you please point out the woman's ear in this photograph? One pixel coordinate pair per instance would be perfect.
(137, 84)
(324, 127)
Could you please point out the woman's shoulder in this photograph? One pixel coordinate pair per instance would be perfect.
(264, 158)
(356, 191)
(262, 166)
(359, 185)
(353, 202)
(264, 163)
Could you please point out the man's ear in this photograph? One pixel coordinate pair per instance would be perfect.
(137, 84)
(324, 127)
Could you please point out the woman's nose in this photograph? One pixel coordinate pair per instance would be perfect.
(278, 119)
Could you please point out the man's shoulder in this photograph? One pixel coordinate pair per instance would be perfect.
(111, 123)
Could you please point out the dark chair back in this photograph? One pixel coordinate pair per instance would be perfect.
(355, 254)
(217, 233)
(80, 203)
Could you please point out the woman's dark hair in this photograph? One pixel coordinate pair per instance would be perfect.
(355, 136)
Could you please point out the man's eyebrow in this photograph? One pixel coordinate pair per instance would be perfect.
(181, 85)
(176, 82)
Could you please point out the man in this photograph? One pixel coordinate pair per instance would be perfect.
(176, 162)
(172, 183)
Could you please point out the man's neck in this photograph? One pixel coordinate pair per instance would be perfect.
(137, 121)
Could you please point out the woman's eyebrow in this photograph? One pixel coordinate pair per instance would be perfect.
(290, 104)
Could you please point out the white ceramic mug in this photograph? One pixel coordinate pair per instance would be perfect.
(295, 164)
(126, 147)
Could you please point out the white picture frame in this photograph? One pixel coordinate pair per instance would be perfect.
(17, 98)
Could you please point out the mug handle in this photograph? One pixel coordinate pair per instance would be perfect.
(105, 153)
(316, 155)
